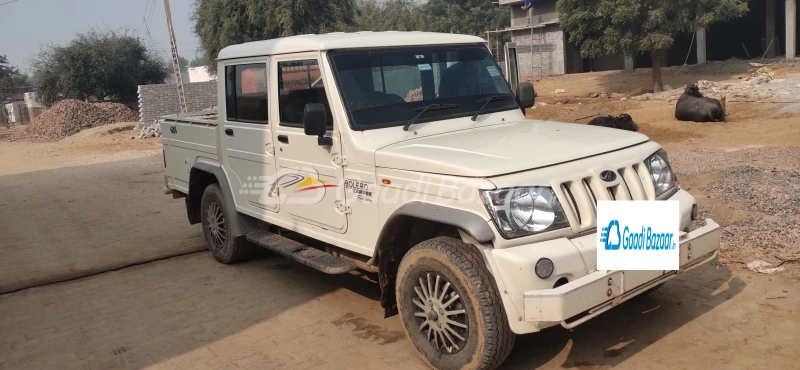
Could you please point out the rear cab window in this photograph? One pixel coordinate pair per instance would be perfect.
(246, 93)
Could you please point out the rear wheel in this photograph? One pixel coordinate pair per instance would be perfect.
(451, 308)
(216, 229)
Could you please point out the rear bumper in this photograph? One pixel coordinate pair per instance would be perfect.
(584, 298)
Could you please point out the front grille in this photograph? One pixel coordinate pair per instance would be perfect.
(579, 194)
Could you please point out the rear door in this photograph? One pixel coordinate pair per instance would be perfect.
(308, 178)
(246, 132)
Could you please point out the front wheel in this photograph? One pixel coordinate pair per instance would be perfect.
(450, 306)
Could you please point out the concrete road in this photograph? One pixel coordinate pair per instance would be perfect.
(190, 312)
(59, 224)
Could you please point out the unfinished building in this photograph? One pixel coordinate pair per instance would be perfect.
(769, 29)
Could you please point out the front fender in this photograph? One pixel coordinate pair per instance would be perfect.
(475, 225)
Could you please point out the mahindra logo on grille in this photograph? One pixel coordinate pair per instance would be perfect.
(608, 176)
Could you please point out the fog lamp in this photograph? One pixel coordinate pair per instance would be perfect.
(544, 268)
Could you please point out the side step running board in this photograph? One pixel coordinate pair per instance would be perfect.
(299, 252)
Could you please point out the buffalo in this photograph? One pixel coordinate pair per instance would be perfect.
(693, 106)
(622, 122)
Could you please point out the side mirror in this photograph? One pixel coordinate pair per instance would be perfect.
(315, 122)
(526, 96)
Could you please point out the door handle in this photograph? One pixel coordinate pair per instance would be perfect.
(283, 138)
(229, 131)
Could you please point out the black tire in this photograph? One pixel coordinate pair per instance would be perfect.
(487, 339)
(226, 249)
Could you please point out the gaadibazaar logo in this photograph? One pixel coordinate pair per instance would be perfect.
(647, 239)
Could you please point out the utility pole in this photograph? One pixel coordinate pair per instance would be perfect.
(176, 65)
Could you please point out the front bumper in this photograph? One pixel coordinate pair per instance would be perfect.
(586, 297)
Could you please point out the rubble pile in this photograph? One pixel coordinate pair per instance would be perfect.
(118, 112)
(761, 85)
(148, 131)
(70, 116)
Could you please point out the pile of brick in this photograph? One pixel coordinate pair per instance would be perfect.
(149, 131)
(69, 117)
(118, 112)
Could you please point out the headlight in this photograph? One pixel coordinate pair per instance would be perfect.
(524, 211)
(660, 171)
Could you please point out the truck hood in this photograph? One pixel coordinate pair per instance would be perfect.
(503, 148)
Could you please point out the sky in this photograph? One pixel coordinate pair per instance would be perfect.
(27, 25)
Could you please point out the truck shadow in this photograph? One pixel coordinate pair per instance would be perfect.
(613, 337)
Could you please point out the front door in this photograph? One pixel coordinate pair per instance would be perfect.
(308, 180)
(245, 135)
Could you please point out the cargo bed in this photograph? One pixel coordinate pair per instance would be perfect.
(187, 138)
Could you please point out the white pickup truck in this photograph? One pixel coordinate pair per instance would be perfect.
(408, 157)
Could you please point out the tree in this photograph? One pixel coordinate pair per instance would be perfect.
(9, 78)
(390, 15)
(183, 63)
(198, 61)
(472, 17)
(219, 23)
(626, 27)
(97, 65)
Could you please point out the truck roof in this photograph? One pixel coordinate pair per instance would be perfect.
(342, 40)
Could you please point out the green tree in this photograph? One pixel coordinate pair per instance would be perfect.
(627, 27)
(10, 78)
(198, 61)
(96, 64)
(219, 23)
(472, 17)
(183, 63)
(390, 15)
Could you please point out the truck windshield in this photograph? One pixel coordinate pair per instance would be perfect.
(386, 87)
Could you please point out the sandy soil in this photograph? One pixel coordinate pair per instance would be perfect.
(100, 144)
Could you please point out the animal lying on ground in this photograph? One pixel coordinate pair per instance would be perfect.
(693, 106)
(622, 122)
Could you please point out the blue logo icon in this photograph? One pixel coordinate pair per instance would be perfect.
(611, 244)
(612, 238)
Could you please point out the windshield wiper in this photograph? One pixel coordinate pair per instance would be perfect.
(488, 100)
(426, 108)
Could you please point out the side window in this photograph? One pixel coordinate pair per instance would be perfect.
(246, 92)
(300, 83)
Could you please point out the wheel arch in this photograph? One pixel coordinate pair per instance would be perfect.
(203, 174)
(411, 224)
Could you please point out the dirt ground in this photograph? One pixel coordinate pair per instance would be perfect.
(93, 202)
(745, 172)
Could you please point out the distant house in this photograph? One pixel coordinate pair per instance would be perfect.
(201, 74)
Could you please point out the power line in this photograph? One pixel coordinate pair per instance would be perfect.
(9, 2)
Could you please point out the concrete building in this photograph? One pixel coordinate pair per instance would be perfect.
(543, 47)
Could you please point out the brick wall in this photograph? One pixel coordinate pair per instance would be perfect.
(548, 51)
(158, 100)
